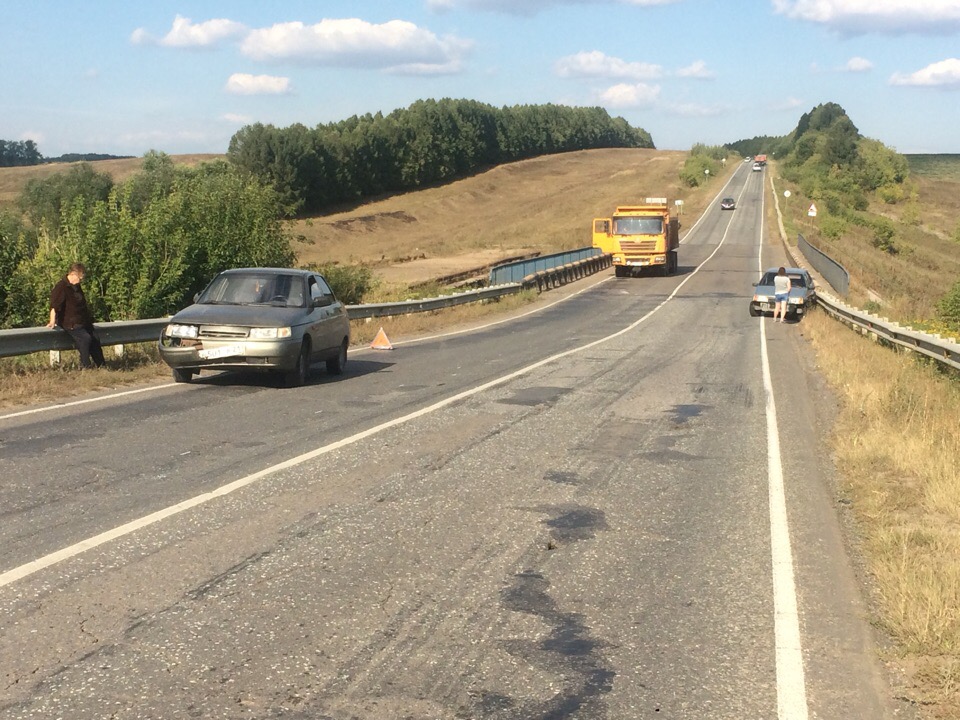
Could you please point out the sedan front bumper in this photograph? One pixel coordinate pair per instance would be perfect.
(187, 354)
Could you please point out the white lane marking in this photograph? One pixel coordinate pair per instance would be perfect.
(111, 396)
(791, 682)
(53, 558)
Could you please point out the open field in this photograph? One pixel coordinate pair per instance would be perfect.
(895, 441)
(936, 167)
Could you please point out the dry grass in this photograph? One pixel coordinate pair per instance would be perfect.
(30, 379)
(896, 444)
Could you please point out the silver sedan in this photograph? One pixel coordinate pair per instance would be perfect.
(267, 319)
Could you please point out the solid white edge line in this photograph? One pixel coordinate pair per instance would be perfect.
(60, 406)
(791, 682)
(66, 553)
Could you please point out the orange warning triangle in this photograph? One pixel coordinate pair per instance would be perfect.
(381, 341)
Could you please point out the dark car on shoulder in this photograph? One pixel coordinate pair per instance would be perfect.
(803, 293)
(728, 204)
(259, 319)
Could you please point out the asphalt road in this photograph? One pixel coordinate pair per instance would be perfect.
(570, 514)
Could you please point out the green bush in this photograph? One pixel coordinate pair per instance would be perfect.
(833, 227)
(884, 233)
(694, 171)
(948, 308)
(349, 282)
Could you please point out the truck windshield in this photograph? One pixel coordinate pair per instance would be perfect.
(637, 226)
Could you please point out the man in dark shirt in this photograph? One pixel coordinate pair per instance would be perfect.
(68, 309)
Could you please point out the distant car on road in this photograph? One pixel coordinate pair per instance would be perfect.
(747, 159)
(728, 204)
(757, 167)
(264, 319)
(803, 293)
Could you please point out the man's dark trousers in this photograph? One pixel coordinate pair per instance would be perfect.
(87, 342)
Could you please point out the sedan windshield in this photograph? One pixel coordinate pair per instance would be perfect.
(254, 289)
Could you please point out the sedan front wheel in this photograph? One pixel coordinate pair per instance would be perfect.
(335, 365)
(298, 376)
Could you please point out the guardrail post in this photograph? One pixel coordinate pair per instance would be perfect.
(54, 358)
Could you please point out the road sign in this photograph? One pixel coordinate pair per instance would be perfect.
(812, 212)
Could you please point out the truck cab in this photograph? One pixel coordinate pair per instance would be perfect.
(639, 236)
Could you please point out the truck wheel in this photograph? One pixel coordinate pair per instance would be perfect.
(182, 376)
(621, 271)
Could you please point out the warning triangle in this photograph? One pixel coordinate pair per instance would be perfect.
(381, 341)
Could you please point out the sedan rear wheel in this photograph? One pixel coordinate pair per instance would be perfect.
(298, 376)
(335, 365)
(754, 311)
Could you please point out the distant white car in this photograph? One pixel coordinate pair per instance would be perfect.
(757, 167)
(747, 159)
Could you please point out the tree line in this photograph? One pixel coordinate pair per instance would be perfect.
(429, 142)
(15, 153)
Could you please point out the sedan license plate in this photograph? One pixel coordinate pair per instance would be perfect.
(220, 352)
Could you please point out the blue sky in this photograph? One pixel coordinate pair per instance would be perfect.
(126, 77)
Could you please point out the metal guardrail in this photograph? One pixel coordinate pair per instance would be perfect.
(944, 350)
(832, 271)
(24, 341)
(517, 270)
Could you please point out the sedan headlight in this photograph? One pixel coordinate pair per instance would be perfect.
(269, 333)
(761, 298)
(182, 331)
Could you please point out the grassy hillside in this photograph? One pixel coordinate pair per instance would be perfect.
(14, 179)
(544, 204)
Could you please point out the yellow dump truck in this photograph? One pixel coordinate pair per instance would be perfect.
(640, 236)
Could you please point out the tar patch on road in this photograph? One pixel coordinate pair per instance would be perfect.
(569, 650)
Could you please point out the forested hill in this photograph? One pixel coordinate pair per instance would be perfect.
(430, 142)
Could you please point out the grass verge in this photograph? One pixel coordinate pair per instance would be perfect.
(896, 443)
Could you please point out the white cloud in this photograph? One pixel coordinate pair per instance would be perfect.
(246, 84)
(858, 64)
(397, 45)
(943, 74)
(185, 33)
(236, 119)
(532, 7)
(698, 70)
(626, 95)
(882, 16)
(596, 64)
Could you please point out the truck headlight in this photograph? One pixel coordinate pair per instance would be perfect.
(182, 331)
(269, 333)
(660, 259)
